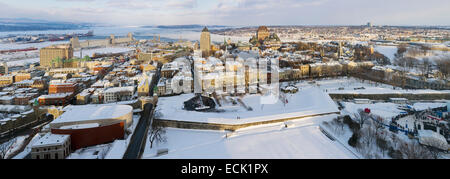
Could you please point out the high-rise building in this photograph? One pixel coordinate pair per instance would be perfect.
(49, 55)
(205, 42)
(341, 50)
(4, 68)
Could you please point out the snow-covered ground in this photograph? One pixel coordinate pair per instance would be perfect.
(388, 111)
(301, 140)
(10, 46)
(331, 86)
(308, 101)
(423, 106)
(27, 149)
(22, 62)
(16, 60)
(94, 152)
(118, 147)
(407, 122)
(388, 51)
(14, 145)
(384, 110)
(103, 50)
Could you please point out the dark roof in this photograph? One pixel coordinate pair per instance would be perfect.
(205, 29)
(263, 28)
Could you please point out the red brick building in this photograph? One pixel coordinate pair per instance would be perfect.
(60, 99)
(61, 88)
(24, 99)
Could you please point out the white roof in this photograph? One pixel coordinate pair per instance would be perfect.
(93, 112)
(57, 95)
(50, 139)
(120, 89)
(81, 126)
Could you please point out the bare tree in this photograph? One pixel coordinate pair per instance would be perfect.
(401, 49)
(443, 66)
(435, 152)
(415, 151)
(368, 135)
(411, 62)
(6, 147)
(414, 51)
(157, 133)
(425, 67)
(394, 140)
(361, 117)
(382, 144)
(338, 125)
(158, 113)
(378, 124)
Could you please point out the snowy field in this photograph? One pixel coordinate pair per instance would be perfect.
(384, 110)
(12, 61)
(331, 86)
(308, 101)
(389, 110)
(94, 152)
(22, 62)
(388, 51)
(104, 50)
(301, 140)
(424, 106)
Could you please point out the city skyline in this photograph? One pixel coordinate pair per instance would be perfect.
(233, 12)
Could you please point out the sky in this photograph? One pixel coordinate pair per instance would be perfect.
(233, 12)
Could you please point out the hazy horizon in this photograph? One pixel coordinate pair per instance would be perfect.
(233, 12)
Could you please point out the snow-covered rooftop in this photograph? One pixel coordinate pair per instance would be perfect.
(302, 140)
(92, 112)
(50, 139)
(81, 126)
(53, 96)
(308, 101)
(120, 89)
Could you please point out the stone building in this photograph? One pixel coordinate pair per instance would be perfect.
(118, 94)
(48, 55)
(51, 146)
(4, 68)
(62, 88)
(6, 80)
(262, 33)
(205, 42)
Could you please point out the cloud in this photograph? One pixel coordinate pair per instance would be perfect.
(236, 12)
(184, 4)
